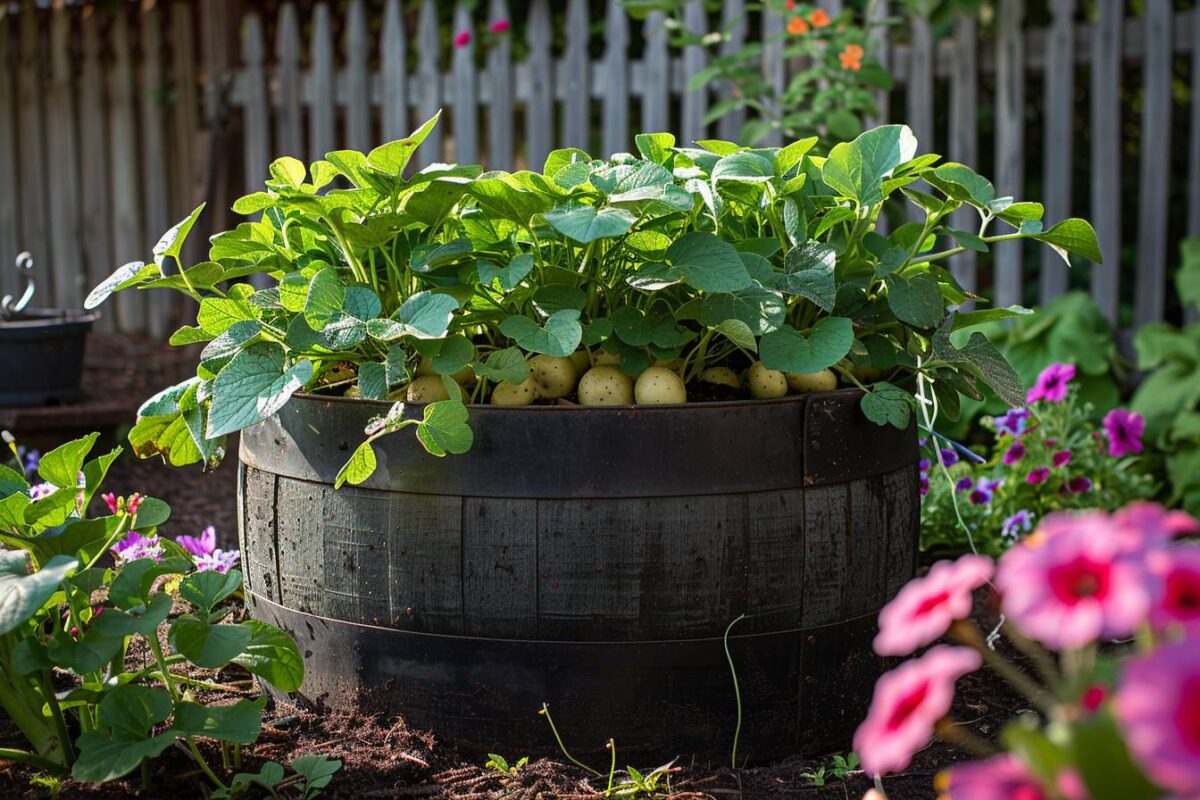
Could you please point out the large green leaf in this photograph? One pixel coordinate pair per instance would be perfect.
(559, 337)
(360, 466)
(444, 429)
(857, 169)
(585, 223)
(62, 465)
(509, 277)
(810, 274)
(1073, 236)
(886, 404)
(426, 315)
(761, 310)
(788, 350)
(393, 157)
(207, 588)
(504, 365)
(171, 243)
(120, 278)
(207, 645)
(126, 716)
(22, 594)
(253, 386)
(326, 295)
(708, 263)
(981, 355)
(916, 300)
(239, 722)
(272, 655)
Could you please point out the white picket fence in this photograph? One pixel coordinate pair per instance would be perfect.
(112, 125)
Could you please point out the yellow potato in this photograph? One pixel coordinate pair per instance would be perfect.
(659, 385)
(606, 359)
(464, 377)
(766, 383)
(823, 381)
(722, 376)
(555, 377)
(866, 372)
(582, 360)
(605, 386)
(427, 389)
(522, 394)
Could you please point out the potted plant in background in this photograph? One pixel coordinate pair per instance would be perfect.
(41, 348)
(595, 535)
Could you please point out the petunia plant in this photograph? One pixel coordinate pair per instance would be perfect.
(1047, 456)
(711, 269)
(1103, 609)
(77, 592)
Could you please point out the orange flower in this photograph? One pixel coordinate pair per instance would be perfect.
(851, 57)
(797, 26)
(819, 18)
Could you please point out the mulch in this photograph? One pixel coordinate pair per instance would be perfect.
(382, 757)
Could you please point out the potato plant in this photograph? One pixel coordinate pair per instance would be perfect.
(758, 270)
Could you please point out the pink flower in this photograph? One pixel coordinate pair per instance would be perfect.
(1001, 777)
(1069, 583)
(1060, 458)
(1094, 696)
(500, 26)
(908, 701)
(1051, 385)
(134, 546)
(1177, 595)
(218, 560)
(925, 607)
(202, 546)
(1037, 475)
(1124, 429)
(1148, 525)
(462, 38)
(134, 502)
(110, 500)
(1015, 452)
(1158, 707)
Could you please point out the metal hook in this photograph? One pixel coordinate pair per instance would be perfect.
(24, 266)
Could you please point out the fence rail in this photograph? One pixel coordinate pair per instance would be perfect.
(113, 124)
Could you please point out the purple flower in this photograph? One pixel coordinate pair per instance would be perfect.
(924, 465)
(218, 560)
(949, 456)
(1013, 422)
(964, 484)
(1124, 429)
(1015, 453)
(1061, 458)
(1051, 385)
(41, 490)
(1022, 521)
(1037, 475)
(30, 459)
(134, 546)
(924, 485)
(922, 441)
(202, 546)
(984, 490)
(1079, 484)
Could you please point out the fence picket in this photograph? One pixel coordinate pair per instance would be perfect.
(97, 256)
(695, 101)
(289, 135)
(655, 84)
(155, 217)
(256, 142)
(9, 201)
(393, 57)
(466, 90)
(1191, 313)
(185, 183)
(1057, 144)
(322, 97)
(616, 85)
(733, 23)
(575, 90)
(1106, 161)
(31, 147)
(773, 66)
(1150, 293)
(881, 47)
(964, 135)
(501, 147)
(358, 79)
(128, 243)
(63, 188)
(1010, 149)
(429, 82)
(920, 93)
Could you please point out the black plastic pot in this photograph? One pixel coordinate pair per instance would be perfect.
(41, 353)
(592, 559)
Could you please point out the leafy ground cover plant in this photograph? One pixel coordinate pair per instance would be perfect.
(1106, 722)
(77, 592)
(1047, 456)
(755, 271)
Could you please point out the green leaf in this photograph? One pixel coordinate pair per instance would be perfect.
(131, 587)
(22, 594)
(761, 310)
(504, 365)
(810, 274)
(510, 277)
(12, 481)
(1073, 236)
(969, 240)
(171, 243)
(983, 357)
(252, 387)
(207, 588)
(393, 157)
(126, 716)
(318, 771)
(359, 467)
(708, 263)
(207, 645)
(586, 224)
(559, 337)
(288, 171)
(272, 655)
(444, 428)
(426, 315)
(62, 465)
(739, 333)
(372, 380)
(240, 722)
(746, 166)
(887, 404)
(857, 169)
(968, 319)
(326, 296)
(788, 350)
(655, 147)
(917, 300)
(118, 280)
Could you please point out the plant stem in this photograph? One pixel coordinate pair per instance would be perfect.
(967, 633)
(950, 731)
(31, 723)
(737, 694)
(56, 714)
(32, 759)
(546, 713)
(165, 674)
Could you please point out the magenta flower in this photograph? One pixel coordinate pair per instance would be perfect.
(924, 482)
(985, 490)
(134, 546)
(1015, 452)
(908, 701)
(1002, 777)
(925, 607)
(1124, 429)
(1060, 458)
(1147, 526)
(1079, 484)
(1037, 475)
(110, 500)
(1177, 595)
(1069, 583)
(1158, 708)
(462, 38)
(1013, 422)
(1051, 385)
(202, 546)
(963, 484)
(500, 26)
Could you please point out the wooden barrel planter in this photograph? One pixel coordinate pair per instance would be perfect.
(42, 353)
(591, 559)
